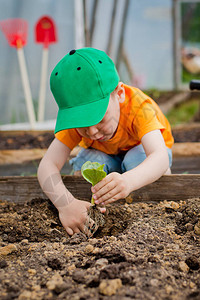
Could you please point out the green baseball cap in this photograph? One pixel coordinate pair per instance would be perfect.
(81, 84)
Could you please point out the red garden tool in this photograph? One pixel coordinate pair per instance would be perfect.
(16, 31)
(45, 33)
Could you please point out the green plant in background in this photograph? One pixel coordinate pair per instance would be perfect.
(93, 172)
(186, 76)
(183, 113)
(154, 93)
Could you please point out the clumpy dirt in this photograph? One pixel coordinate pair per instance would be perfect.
(187, 135)
(143, 251)
(43, 140)
(25, 141)
(164, 96)
(95, 217)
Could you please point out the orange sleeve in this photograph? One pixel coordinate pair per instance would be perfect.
(69, 137)
(146, 119)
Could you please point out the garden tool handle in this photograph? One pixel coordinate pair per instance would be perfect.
(42, 94)
(26, 86)
(195, 84)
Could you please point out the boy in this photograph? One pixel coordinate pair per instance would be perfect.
(115, 124)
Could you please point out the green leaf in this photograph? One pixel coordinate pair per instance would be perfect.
(93, 172)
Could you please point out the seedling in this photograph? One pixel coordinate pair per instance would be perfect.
(93, 172)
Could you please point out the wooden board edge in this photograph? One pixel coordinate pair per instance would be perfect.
(25, 155)
(168, 187)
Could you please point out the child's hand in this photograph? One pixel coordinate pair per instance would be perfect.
(112, 188)
(74, 216)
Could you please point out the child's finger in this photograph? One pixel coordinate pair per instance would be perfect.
(101, 184)
(76, 230)
(104, 190)
(102, 209)
(109, 195)
(114, 198)
(69, 231)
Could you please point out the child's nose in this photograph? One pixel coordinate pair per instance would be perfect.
(92, 130)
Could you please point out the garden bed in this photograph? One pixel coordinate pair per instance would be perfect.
(186, 133)
(10, 140)
(144, 251)
(148, 248)
(21, 152)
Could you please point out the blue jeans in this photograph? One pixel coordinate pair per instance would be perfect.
(113, 163)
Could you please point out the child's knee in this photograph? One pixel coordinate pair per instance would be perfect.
(85, 155)
(133, 158)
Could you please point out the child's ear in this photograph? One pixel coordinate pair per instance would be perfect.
(121, 92)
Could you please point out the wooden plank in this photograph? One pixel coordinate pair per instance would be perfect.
(186, 127)
(183, 165)
(169, 187)
(175, 100)
(25, 155)
(20, 156)
(20, 189)
(186, 149)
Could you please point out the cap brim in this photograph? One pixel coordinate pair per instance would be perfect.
(82, 116)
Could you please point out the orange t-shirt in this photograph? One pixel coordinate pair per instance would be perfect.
(139, 114)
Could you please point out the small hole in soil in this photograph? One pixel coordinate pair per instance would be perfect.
(192, 263)
(116, 221)
(55, 264)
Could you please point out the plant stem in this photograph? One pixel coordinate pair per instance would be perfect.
(92, 200)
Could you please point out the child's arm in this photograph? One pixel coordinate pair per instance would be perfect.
(72, 212)
(117, 186)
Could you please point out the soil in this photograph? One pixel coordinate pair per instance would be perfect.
(43, 140)
(143, 251)
(162, 97)
(25, 141)
(187, 135)
(94, 216)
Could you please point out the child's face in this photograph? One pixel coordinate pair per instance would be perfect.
(104, 130)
